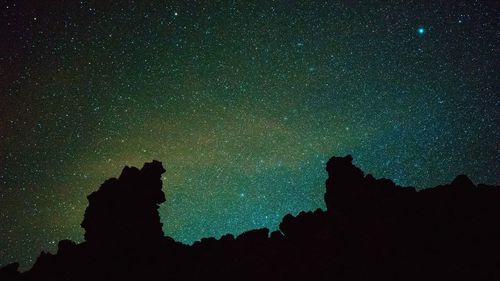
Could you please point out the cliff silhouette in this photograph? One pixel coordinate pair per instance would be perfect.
(372, 229)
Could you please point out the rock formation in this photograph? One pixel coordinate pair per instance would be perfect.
(372, 230)
(125, 210)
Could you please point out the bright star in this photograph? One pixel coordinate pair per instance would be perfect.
(421, 30)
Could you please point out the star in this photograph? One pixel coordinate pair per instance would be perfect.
(243, 104)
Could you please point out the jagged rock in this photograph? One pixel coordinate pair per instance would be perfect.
(304, 225)
(372, 230)
(349, 190)
(227, 238)
(254, 236)
(344, 180)
(125, 210)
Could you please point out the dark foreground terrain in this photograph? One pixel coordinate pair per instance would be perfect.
(372, 230)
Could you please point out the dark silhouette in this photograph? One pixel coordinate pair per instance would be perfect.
(126, 209)
(372, 230)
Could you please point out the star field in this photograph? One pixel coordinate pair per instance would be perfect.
(242, 101)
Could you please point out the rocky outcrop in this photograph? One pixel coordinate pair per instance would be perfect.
(125, 210)
(372, 230)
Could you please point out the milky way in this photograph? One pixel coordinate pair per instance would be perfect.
(242, 101)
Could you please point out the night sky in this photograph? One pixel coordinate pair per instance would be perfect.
(242, 101)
